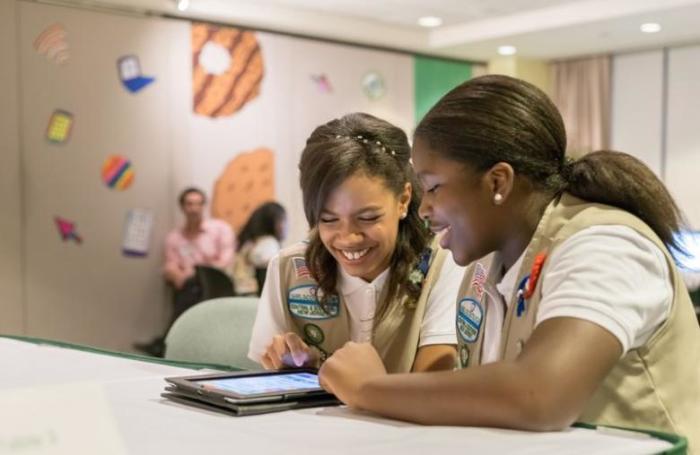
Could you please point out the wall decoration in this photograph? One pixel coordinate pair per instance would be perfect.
(137, 232)
(52, 43)
(322, 83)
(245, 183)
(67, 230)
(60, 126)
(373, 85)
(227, 69)
(129, 70)
(117, 172)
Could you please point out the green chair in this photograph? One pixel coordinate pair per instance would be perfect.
(214, 331)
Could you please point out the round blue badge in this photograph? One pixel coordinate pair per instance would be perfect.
(469, 318)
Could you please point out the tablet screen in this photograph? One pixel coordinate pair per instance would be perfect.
(273, 383)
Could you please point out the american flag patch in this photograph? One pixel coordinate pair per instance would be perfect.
(300, 268)
(478, 280)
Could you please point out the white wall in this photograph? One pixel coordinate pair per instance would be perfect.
(638, 119)
(637, 96)
(683, 144)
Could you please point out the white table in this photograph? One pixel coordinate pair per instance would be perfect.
(149, 424)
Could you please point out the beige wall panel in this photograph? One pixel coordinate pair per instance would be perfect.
(290, 106)
(11, 307)
(91, 293)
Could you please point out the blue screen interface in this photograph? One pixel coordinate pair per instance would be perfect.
(253, 385)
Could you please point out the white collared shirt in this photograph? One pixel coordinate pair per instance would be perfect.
(609, 275)
(438, 326)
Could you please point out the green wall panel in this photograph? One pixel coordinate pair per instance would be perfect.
(433, 78)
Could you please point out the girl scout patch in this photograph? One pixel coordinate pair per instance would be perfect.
(303, 302)
(469, 317)
(313, 334)
(463, 356)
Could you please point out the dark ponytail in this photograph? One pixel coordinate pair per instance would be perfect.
(621, 180)
(496, 118)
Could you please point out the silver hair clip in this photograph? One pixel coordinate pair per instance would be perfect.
(364, 140)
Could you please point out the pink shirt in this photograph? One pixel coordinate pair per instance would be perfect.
(213, 246)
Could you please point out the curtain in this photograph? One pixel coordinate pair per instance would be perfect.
(581, 91)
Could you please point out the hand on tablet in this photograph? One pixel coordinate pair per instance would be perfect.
(288, 351)
(349, 369)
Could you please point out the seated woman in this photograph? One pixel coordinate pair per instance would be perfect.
(369, 272)
(572, 307)
(258, 242)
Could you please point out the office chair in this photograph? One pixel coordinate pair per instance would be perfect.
(214, 283)
(214, 331)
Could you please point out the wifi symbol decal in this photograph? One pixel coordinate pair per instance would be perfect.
(52, 43)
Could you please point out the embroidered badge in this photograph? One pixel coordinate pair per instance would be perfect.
(313, 334)
(417, 276)
(463, 356)
(479, 280)
(469, 317)
(300, 268)
(303, 302)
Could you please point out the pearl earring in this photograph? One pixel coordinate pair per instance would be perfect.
(403, 215)
(497, 198)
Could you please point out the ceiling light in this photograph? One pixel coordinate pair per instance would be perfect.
(429, 21)
(507, 50)
(182, 5)
(650, 27)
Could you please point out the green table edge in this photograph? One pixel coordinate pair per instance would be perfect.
(680, 443)
(124, 355)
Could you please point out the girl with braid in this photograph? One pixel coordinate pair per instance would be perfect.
(370, 271)
(571, 309)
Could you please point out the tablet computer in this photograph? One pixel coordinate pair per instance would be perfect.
(251, 392)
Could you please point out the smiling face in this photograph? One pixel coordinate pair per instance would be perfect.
(458, 201)
(359, 224)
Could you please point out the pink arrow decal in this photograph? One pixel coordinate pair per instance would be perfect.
(67, 229)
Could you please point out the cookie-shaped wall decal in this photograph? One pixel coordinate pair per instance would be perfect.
(227, 69)
(245, 183)
(117, 172)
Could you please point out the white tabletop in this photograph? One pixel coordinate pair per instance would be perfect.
(149, 424)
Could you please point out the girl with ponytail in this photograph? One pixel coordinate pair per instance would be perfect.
(571, 308)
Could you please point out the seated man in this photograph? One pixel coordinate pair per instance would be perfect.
(200, 241)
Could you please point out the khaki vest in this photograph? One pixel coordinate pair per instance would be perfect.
(396, 336)
(656, 386)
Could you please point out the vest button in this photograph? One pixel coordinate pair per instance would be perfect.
(519, 347)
